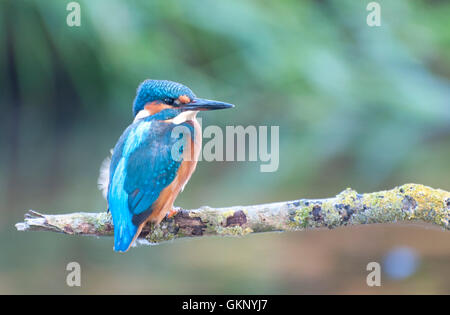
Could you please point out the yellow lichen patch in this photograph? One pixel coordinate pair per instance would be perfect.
(348, 196)
(431, 203)
(408, 202)
(216, 222)
(159, 234)
(388, 199)
(206, 215)
(227, 214)
(233, 230)
(426, 197)
(300, 217)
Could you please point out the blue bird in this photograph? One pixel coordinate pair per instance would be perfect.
(148, 167)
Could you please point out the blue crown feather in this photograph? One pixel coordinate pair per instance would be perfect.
(152, 90)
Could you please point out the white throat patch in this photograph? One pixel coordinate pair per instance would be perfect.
(142, 114)
(184, 116)
(179, 119)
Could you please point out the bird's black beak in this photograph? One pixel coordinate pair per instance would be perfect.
(203, 104)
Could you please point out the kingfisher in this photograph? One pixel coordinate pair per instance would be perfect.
(148, 167)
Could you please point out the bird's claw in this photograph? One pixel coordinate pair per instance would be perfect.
(172, 212)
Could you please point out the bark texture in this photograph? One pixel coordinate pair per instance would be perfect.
(409, 202)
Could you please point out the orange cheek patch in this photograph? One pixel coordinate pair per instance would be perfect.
(156, 107)
(184, 99)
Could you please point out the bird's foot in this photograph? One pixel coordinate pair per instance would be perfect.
(172, 212)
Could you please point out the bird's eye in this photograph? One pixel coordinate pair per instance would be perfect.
(169, 101)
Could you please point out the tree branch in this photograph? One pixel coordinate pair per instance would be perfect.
(410, 202)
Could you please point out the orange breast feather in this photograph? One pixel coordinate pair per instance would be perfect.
(167, 197)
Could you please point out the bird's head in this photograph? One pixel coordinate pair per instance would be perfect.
(154, 96)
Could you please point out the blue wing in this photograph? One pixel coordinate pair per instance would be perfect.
(142, 166)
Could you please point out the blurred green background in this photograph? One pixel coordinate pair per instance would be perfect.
(358, 106)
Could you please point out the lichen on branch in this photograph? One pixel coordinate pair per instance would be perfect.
(409, 202)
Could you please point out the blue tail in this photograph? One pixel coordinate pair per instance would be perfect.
(124, 229)
(123, 236)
